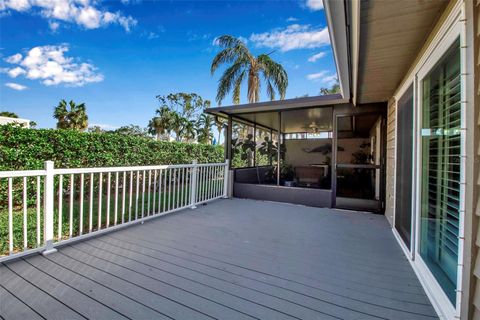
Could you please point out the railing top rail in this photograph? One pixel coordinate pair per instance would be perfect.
(211, 164)
(22, 173)
(118, 169)
(32, 173)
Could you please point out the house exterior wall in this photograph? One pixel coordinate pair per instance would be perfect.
(390, 162)
(8, 120)
(469, 277)
(475, 279)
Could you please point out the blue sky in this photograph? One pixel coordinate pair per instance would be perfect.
(116, 56)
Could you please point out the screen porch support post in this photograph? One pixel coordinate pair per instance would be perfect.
(279, 138)
(268, 149)
(228, 142)
(255, 143)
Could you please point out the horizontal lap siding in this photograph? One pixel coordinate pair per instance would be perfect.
(390, 172)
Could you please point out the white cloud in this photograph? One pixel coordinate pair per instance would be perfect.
(293, 37)
(82, 12)
(53, 25)
(314, 5)
(324, 77)
(50, 65)
(317, 56)
(15, 72)
(16, 58)
(291, 19)
(15, 86)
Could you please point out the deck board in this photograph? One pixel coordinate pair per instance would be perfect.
(230, 259)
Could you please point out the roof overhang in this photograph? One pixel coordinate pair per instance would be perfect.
(279, 105)
(383, 38)
(338, 28)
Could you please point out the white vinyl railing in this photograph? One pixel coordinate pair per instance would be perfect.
(40, 209)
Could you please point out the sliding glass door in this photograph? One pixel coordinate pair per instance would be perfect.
(404, 164)
(440, 170)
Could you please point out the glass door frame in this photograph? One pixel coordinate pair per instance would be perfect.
(433, 288)
(381, 207)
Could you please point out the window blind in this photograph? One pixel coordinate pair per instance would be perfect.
(441, 141)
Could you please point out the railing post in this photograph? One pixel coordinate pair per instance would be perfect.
(48, 208)
(225, 178)
(193, 186)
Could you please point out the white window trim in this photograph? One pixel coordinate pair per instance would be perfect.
(452, 28)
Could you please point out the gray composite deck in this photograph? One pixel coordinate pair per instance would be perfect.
(230, 259)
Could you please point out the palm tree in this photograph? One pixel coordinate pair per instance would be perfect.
(188, 131)
(335, 88)
(245, 65)
(162, 124)
(220, 123)
(204, 128)
(74, 118)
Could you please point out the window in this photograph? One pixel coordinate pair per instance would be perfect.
(440, 173)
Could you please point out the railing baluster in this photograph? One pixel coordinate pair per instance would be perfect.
(39, 201)
(183, 186)
(115, 209)
(164, 195)
(130, 200)
(25, 222)
(159, 190)
(123, 195)
(108, 200)
(154, 190)
(209, 189)
(143, 193)
(169, 188)
(60, 206)
(136, 194)
(10, 216)
(175, 188)
(148, 191)
(90, 207)
(216, 181)
(70, 221)
(82, 180)
(100, 182)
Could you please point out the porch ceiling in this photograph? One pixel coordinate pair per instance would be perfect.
(391, 35)
(297, 113)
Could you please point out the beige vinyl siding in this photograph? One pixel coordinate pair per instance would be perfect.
(476, 249)
(390, 170)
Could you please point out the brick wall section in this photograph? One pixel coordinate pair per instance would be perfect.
(390, 170)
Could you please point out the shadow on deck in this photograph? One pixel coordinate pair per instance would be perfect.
(230, 259)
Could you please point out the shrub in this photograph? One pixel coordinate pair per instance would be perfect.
(27, 149)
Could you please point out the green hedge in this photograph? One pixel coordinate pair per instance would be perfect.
(27, 149)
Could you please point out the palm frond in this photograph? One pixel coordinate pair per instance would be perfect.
(274, 72)
(228, 79)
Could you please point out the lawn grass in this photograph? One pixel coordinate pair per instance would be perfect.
(178, 196)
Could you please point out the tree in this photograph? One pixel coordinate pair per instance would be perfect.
(8, 114)
(335, 88)
(244, 65)
(162, 124)
(179, 113)
(132, 130)
(220, 123)
(71, 116)
(95, 129)
(204, 128)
